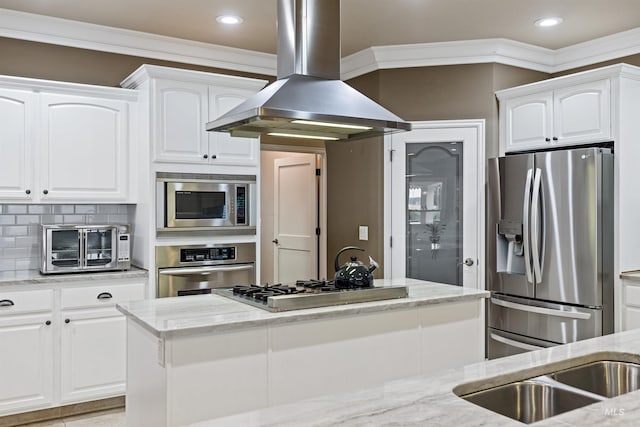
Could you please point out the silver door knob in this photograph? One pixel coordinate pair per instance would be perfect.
(468, 262)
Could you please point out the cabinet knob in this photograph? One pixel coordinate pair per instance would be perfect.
(555, 138)
(27, 191)
(48, 322)
(45, 191)
(213, 156)
(206, 156)
(67, 320)
(547, 139)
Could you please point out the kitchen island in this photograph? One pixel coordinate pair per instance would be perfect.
(195, 358)
(430, 400)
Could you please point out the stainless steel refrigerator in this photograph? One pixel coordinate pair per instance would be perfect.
(550, 249)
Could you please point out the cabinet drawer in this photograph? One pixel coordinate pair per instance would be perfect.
(96, 296)
(632, 295)
(20, 302)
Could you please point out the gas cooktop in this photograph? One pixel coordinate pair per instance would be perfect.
(307, 294)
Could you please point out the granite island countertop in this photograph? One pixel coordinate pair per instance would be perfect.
(429, 400)
(196, 314)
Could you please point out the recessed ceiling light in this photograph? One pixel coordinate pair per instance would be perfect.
(229, 19)
(548, 22)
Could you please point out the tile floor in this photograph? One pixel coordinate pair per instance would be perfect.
(110, 418)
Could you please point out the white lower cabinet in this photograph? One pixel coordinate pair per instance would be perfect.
(26, 350)
(62, 346)
(630, 304)
(93, 358)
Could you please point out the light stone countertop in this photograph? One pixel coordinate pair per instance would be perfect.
(429, 400)
(34, 277)
(197, 314)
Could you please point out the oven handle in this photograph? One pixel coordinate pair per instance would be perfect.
(205, 270)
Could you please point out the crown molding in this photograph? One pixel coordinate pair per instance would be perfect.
(44, 29)
(503, 51)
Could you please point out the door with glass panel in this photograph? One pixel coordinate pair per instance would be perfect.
(436, 206)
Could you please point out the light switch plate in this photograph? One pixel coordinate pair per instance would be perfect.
(363, 232)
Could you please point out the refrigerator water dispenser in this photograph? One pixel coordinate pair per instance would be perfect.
(510, 251)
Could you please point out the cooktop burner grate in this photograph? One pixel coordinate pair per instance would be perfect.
(307, 294)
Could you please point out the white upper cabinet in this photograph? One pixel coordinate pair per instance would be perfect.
(223, 148)
(84, 152)
(582, 113)
(180, 111)
(64, 142)
(181, 102)
(572, 114)
(17, 110)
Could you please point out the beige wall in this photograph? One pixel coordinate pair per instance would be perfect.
(355, 169)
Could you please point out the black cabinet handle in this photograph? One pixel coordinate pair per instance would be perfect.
(104, 295)
(555, 138)
(45, 191)
(547, 139)
(48, 322)
(6, 303)
(206, 156)
(27, 191)
(213, 156)
(67, 320)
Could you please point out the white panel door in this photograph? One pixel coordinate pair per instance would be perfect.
(295, 219)
(180, 112)
(223, 148)
(17, 109)
(26, 362)
(528, 121)
(84, 155)
(93, 354)
(436, 208)
(582, 113)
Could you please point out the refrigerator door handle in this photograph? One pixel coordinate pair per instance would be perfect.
(541, 310)
(526, 238)
(535, 226)
(514, 343)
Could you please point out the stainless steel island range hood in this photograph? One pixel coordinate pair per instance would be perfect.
(308, 100)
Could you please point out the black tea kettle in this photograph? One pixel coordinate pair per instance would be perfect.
(354, 274)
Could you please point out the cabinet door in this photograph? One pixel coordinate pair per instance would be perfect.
(17, 109)
(180, 116)
(528, 122)
(582, 113)
(93, 356)
(26, 362)
(224, 149)
(85, 149)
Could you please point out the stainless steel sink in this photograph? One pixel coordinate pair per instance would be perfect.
(532, 400)
(606, 378)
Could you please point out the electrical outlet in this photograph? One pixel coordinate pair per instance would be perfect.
(363, 232)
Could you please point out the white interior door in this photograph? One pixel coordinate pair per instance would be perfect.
(435, 211)
(295, 219)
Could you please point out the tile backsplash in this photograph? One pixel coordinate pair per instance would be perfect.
(19, 227)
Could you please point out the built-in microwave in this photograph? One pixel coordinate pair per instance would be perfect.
(194, 202)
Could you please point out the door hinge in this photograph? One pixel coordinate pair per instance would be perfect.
(317, 172)
(317, 231)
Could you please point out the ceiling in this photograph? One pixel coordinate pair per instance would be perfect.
(365, 23)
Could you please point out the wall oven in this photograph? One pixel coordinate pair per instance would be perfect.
(81, 248)
(195, 202)
(197, 269)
